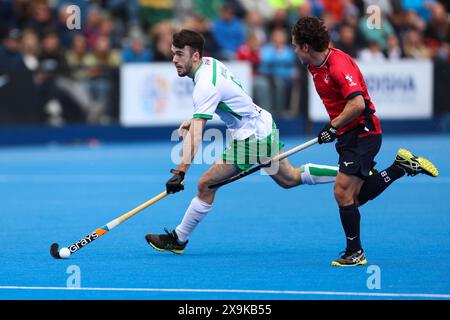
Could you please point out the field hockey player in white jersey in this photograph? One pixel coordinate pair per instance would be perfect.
(253, 131)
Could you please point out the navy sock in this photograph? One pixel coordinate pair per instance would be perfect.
(350, 219)
(377, 183)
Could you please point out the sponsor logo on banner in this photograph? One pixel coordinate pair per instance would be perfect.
(399, 86)
(400, 90)
(153, 93)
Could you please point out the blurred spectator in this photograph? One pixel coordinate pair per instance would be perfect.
(91, 27)
(346, 42)
(278, 64)
(437, 34)
(135, 50)
(250, 51)
(316, 7)
(421, 7)
(61, 59)
(280, 20)
(277, 57)
(183, 10)
(335, 8)
(59, 96)
(351, 14)
(200, 24)
(10, 56)
(21, 11)
(80, 62)
(403, 21)
(59, 99)
(30, 49)
(41, 18)
(332, 26)
(162, 41)
(239, 10)
(438, 27)
(444, 52)
(413, 21)
(127, 10)
(65, 34)
(255, 25)
(394, 50)
(351, 17)
(51, 50)
(290, 7)
(305, 9)
(100, 63)
(414, 46)
(100, 24)
(76, 57)
(208, 8)
(153, 12)
(397, 20)
(107, 29)
(262, 7)
(372, 53)
(7, 17)
(229, 33)
(377, 34)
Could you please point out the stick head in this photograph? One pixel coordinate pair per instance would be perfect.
(54, 251)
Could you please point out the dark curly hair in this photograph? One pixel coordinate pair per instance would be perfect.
(311, 30)
(189, 38)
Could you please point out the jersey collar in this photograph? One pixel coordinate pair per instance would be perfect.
(196, 71)
(326, 59)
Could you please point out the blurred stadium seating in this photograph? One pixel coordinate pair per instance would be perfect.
(63, 84)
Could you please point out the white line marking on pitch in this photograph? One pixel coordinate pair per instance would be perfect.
(288, 292)
(4, 178)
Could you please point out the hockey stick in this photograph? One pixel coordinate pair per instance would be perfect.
(268, 163)
(97, 233)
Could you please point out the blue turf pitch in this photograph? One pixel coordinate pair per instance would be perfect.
(259, 242)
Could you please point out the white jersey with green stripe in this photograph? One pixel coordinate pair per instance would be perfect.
(216, 90)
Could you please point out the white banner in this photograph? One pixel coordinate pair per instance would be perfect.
(153, 94)
(399, 90)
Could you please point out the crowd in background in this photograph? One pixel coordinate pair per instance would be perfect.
(78, 63)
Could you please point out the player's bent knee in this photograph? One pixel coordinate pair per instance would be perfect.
(203, 184)
(343, 196)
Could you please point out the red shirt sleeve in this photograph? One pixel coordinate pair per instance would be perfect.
(347, 75)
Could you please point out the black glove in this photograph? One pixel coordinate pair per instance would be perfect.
(327, 134)
(175, 183)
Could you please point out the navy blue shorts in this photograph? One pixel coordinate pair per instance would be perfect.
(357, 154)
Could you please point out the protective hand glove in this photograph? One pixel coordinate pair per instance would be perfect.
(175, 183)
(327, 134)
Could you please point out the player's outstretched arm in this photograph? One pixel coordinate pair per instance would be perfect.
(191, 142)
